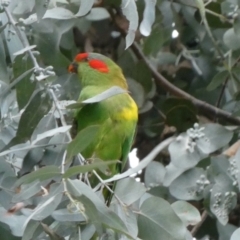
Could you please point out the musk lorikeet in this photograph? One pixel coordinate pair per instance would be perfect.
(116, 116)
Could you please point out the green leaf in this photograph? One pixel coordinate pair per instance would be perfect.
(36, 109)
(158, 37)
(41, 174)
(3, 66)
(87, 168)
(217, 80)
(180, 113)
(186, 212)
(26, 86)
(157, 220)
(83, 139)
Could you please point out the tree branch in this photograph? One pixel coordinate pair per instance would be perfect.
(205, 107)
(197, 226)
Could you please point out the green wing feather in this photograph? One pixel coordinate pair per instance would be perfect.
(115, 136)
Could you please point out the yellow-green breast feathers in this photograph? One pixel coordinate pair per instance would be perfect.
(117, 115)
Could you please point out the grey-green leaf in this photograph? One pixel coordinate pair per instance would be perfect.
(41, 174)
(157, 220)
(186, 212)
(87, 168)
(129, 190)
(85, 7)
(215, 137)
(217, 80)
(129, 9)
(148, 17)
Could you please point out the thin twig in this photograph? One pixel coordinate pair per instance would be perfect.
(31, 147)
(205, 107)
(144, 162)
(197, 226)
(169, 87)
(108, 188)
(21, 38)
(222, 92)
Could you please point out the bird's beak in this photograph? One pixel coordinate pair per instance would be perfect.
(73, 67)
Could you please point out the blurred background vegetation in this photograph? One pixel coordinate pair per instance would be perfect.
(181, 61)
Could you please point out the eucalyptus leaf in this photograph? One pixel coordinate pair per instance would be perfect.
(58, 13)
(148, 17)
(83, 139)
(182, 156)
(44, 209)
(186, 212)
(231, 39)
(215, 137)
(23, 69)
(51, 133)
(129, 190)
(157, 219)
(129, 10)
(85, 7)
(235, 234)
(63, 215)
(41, 174)
(36, 109)
(96, 210)
(154, 174)
(41, 8)
(15, 222)
(128, 217)
(115, 90)
(27, 191)
(186, 186)
(98, 14)
(223, 198)
(86, 168)
(217, 80)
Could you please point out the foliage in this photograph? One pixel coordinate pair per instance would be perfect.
(181, 60)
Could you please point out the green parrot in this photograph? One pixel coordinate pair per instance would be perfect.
(116, 116)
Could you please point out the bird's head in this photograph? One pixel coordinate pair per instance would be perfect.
(96, 69)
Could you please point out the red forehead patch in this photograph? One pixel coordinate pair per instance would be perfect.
(81, 56)
(98, 65)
